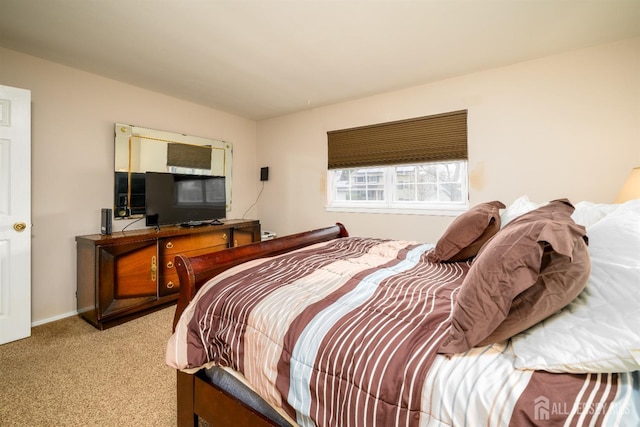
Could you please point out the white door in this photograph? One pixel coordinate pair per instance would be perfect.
(15, 214)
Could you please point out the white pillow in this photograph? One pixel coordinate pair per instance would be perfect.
(600, 330)
(588, 213)
(519, 207)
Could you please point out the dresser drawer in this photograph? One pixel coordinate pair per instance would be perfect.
(182, 244)
(168, 282)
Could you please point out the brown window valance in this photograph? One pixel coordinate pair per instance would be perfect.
(439, 137)
(189, 156)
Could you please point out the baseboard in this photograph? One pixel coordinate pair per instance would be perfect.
(54, 318)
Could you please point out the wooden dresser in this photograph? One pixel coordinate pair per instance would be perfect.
(129, 274)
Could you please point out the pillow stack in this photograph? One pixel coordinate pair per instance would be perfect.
(536, 265)
(600, 330)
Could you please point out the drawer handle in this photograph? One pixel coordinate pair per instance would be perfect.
(224, 236)
(154, 268)
(169, 264)
(235, 243)
(170, 285)
(169, 245)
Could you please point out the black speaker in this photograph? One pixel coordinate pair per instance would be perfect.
(105, 222)
(264, 174)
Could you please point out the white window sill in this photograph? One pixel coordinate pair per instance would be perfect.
(453, 211)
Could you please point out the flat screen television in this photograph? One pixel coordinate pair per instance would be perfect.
(188, 200)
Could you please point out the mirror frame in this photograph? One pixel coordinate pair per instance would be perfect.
(134, 142)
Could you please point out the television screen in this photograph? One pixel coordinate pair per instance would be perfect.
(189, 200)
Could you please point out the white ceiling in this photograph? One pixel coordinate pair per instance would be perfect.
(265, 58)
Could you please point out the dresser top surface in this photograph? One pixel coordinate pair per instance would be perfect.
(165, 231)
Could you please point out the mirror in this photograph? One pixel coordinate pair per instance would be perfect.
(138, 150)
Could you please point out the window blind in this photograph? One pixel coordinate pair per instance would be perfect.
(189, 156)
(439, 137)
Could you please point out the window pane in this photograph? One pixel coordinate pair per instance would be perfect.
(341, 194)
(427, 193)
(358, 193)
(405, 193)
(451, 192)
(449, 172)
(427, 173)
(362, 184)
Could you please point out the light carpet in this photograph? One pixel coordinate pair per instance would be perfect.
(70, 374)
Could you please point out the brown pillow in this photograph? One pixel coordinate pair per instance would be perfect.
(536, 265)
(467, 233)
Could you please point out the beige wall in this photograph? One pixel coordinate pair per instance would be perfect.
(567, 125)
(73, 116)
(561, 126)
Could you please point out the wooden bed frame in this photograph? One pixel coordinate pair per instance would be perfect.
(197, 397)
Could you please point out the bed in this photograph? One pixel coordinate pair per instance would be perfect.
(520, 315)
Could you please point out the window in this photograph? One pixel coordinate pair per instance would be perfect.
(415, 188)
(414, 166)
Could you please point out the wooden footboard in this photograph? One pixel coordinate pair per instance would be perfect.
(196, 396)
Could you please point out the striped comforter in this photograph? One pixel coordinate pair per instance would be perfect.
(345, 333)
